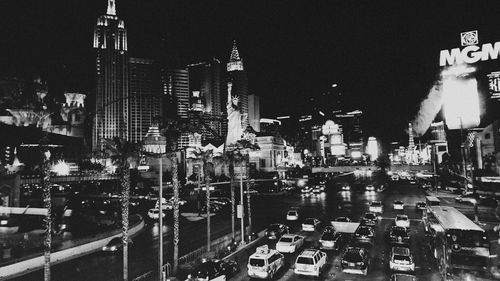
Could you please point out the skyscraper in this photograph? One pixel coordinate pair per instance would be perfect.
(254, 112)
(205, 77)
(238, 77)
(175, 92)
(112, 96)
(144, 96)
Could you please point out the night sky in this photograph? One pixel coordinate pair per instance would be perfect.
(383, 54)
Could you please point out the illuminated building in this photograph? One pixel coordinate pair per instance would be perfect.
(372, 148)
(144, 96)
(238, 77)
(204, 77)
(270, 126)
(254, 112)
(112, 92)
(175, 92)
(439, 140)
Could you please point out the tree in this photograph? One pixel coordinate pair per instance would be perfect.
(123, 154)
(47, 204)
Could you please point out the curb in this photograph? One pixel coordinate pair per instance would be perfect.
(244, 247)
(36, 263)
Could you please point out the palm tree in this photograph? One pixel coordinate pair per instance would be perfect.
(47, 204)
(123, 154)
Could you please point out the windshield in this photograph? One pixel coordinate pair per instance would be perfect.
(286, 239)
(309, 221)
(257, 262)
(305, 260)
(353, 256)
(328, 236)
(402, 258)
(467, 238)
(376, 204)
(292, 213)
(398, 231)
(401, 218)
(364, 231)
(370, 216)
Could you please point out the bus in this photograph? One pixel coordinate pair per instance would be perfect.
(460, 246)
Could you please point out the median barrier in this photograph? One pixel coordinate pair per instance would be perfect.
(36, 263)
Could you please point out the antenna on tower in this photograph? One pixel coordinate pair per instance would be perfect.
(111, 8)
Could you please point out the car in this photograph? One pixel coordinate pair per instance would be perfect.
(403, 277)
(224, 201)
(376, 207)
(289, 243)
(306, 190)
(329, 228)
(342, 219)
(310, 224)
(401, 259)
(470, 199)
(394, 177)
(421, 205)
(310, 262)
(265, 263)
(115, 244)
(398, 205)
(214, 209)
(292, 215)
(165, 205)
(355, 260)
(276, 230)
(317, 189)
(364, 234)
(214, 269)
(399, 235)
(369, 219)
(346, 188)
(181, 202)
(370, 188)
(402, 220)
(155, 214)
(332, 240)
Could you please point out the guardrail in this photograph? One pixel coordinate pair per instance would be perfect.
(167, 270)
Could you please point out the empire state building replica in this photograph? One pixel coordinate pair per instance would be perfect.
(112, 104)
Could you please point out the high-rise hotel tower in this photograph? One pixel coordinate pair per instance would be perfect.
(112, 102)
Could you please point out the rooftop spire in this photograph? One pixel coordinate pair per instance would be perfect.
(111, 8)
(235, 56)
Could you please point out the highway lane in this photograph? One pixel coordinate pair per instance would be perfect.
(426, 268)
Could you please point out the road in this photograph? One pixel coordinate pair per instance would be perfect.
(354, 204)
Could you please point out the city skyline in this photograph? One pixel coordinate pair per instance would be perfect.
(382, 68)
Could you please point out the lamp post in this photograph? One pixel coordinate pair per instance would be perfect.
(155, 145)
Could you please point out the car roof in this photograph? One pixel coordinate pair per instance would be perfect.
(308, 253)
(403, 251)
(289, 236)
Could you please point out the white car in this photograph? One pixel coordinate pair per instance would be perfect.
(401, 259)
(292, 215)
(370, 188)
(310, 224)
(310, 262)
(289, 243)
(376, 207)
(402, 220)
(155, 214)
(398, 205)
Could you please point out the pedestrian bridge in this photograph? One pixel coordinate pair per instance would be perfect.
(394, 168)
(32, 179)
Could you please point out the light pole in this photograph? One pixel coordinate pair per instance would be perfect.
(155, 145)
(240, 207)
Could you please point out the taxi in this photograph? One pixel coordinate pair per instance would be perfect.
(264, 263)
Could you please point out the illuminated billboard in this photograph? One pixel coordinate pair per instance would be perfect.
(461, 103)
(494, 84)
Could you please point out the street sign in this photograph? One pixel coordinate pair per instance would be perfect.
(239, 211)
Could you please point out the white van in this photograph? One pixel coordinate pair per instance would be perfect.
(264, 263)
(310, 262)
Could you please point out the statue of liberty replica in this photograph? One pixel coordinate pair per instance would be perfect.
(235, 119)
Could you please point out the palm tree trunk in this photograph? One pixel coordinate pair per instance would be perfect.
(231, 187)
(247, 170)
(125, 183)
(47, 204)
(207, 187)
(175, 181)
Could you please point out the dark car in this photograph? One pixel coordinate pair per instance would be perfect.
(399, 235)
(115, 245)
(332, 240)
(214, 208)
(421, 205)
(355, 260)
(369, 219)
(276, 230)
(212, 269)
(364, 234)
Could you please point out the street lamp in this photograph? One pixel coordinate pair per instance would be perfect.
(156, 145)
